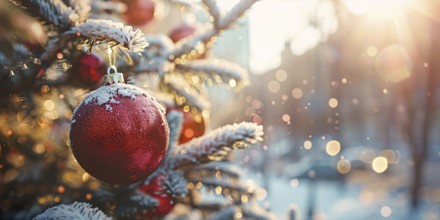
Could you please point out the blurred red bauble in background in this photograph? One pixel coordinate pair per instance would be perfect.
(156, 189)
(119, 134)
(181, 32)
(89, 70)
(193, 125)
(139, 12)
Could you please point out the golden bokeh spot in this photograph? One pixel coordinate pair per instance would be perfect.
(343, 166)
(333, 103)
(308, 145)
(333, 147)
(379, 164)
(297, 93)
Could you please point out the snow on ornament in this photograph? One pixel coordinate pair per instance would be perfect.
(119, 133)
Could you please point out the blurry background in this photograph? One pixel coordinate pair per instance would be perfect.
(348, 93)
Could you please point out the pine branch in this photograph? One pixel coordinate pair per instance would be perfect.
(205, 36)
(246, 213)
(227, 169)
(98, 30)
(109, 6)
(214, 68)
(77, 210)
(52, 11)
(217, 144)
(135, 204)
(233, 186)
(16, 26)
(128, 199)
(175, 120)
(82, 8)
(180, 88)
(155, 57)
(214, 10)
(176, 184)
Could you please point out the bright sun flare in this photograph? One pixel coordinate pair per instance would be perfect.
(377, 7)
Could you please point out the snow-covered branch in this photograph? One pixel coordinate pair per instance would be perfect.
(232, 186)
(175, 184)
(226, 169)
(174, 119)
(82, 8)
(206, 35)
(213, 68)
(182, 89)
(53, 11)
(106, 30)
(217, 144)
(246, 213)
(135, 203)
(77, 210)
(214, 10)
(110, 6)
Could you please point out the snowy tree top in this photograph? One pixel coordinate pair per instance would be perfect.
(77, 210)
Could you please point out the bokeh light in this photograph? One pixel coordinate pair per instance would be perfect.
(386, 211)
(297, 93)
(343, 166)
(379, 164)
(308, 145)
(333, 147)
(393, 64)
(333, 103)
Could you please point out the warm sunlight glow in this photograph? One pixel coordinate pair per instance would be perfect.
(378, 7)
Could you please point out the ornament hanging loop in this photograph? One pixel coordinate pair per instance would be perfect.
(113, 76)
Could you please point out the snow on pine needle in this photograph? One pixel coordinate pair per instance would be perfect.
(212, 68)
(54, 11)
(77, 210)
(218, 144)
(181, 88)
(106, 30)
(82, 8)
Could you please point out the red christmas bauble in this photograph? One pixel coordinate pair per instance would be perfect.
(139, 12)
(156, 189)
(119, 134)
(181, 32)
(193, 125)
(89, 70)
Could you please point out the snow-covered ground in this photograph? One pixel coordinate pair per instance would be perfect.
(351, 200)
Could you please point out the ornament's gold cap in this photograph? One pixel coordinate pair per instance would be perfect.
(113, 76)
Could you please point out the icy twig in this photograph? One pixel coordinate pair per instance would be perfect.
(106, 30)
(217, 144)
(77, 210)
(217, 67)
